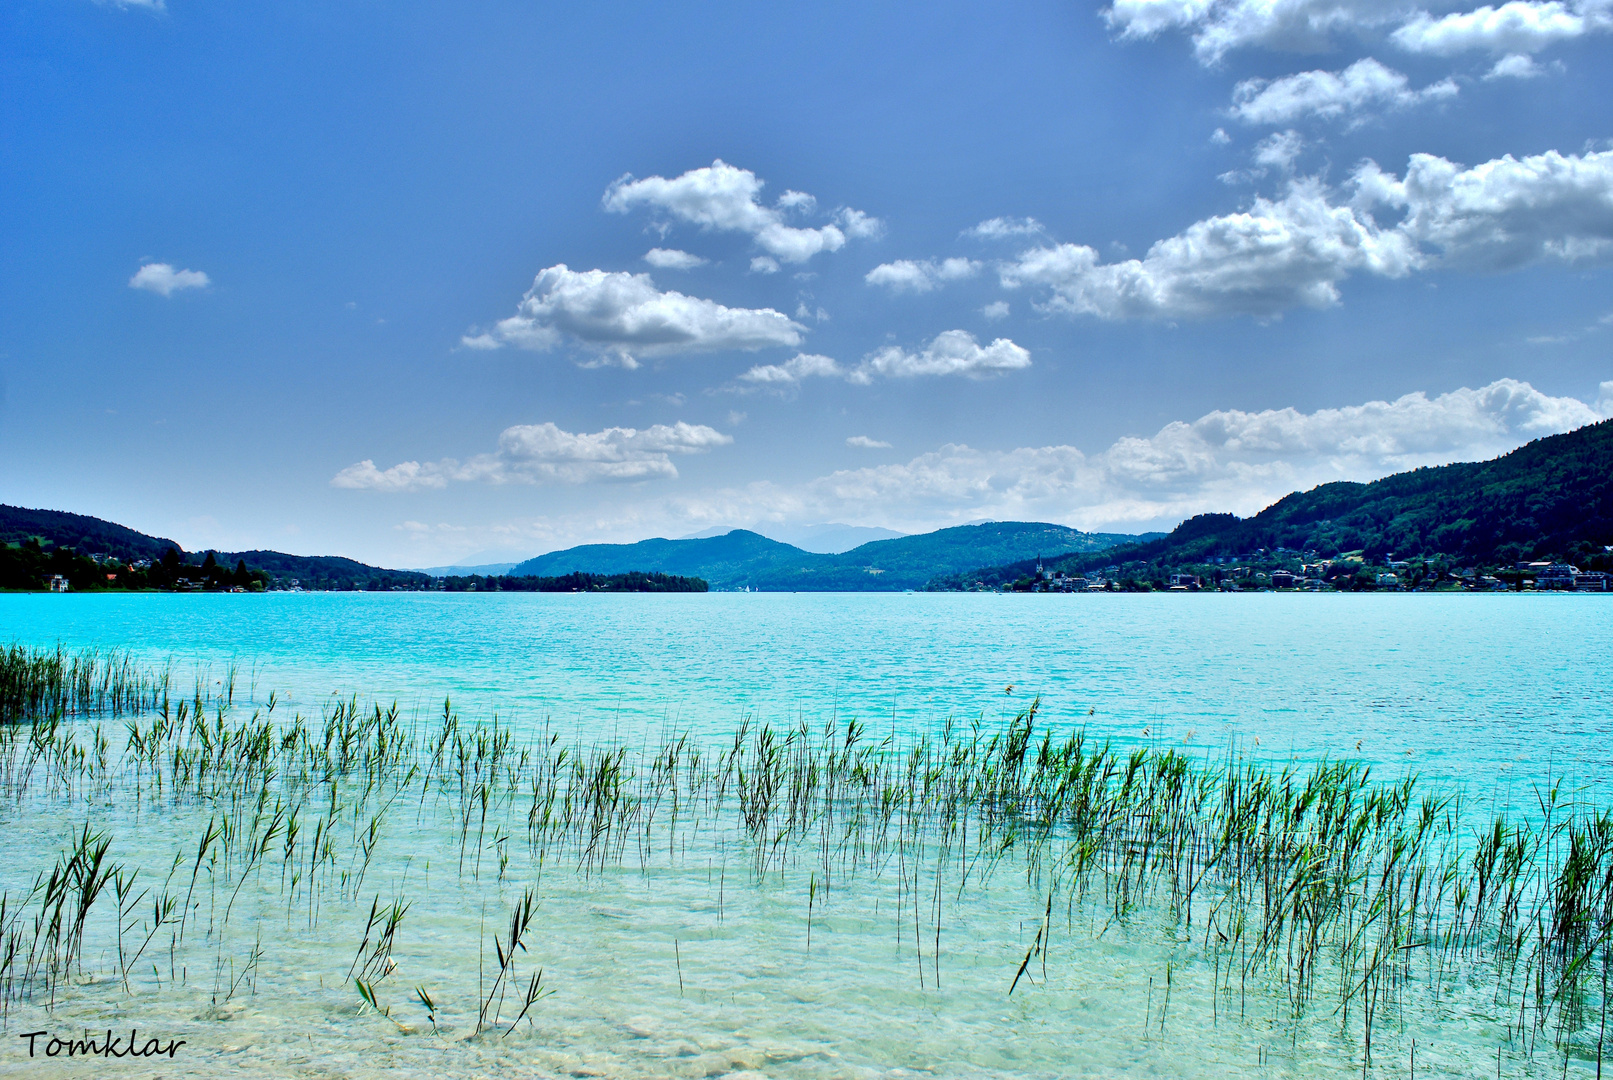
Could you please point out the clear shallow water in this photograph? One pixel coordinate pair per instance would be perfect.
(688, 966)
(1479, 689)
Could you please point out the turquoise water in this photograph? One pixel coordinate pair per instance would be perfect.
(677, 958)
(1479, 689)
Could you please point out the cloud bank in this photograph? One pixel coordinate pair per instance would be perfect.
(544, 453)
(1227, 460)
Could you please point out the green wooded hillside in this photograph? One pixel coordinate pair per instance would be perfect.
(741, 558)
(1551, 499)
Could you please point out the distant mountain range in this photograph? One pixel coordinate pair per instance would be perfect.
(1551, 499)
(744, 559)
(737, 559)
(826, 539)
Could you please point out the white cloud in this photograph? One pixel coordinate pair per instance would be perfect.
(1279, 150)
(907, 275)
(1227, 460)
(1219, 136)
(144, 5)
(797, 201)
(1005, 228)
(764, 264)
(1275, 256)
(1504, 213)
(622, 315)
(858, 225)
(1331, 94)
(1294, 251)
(164, 280)
(673, 259)
(1520, 26)
(997, 309)
(801, 366)
(1220, 26)
(723, 198)
(544, 453)
(953, 352)
(1515, 66)
(863, 442)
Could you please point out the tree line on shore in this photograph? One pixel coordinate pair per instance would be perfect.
(33, 567)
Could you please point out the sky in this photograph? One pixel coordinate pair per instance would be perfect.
(423, 284)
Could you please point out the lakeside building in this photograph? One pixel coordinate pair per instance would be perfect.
(1554, 575)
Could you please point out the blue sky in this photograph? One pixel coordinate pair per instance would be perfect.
(421, 283)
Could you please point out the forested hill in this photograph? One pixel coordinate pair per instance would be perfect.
(744, 559)
(36, 545)
(86, 535)
(1551, 499)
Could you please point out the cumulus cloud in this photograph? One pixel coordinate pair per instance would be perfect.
(1220, 26)
(672, 259)
(1226, 460)
(621, 315)
(1005, 228)
(953, 352)
(907, 275)
(1279, 150)
(801, 366)
(997, 309)
(544, 453)
(1331, 95)
(723, 198)
(863, 442)
(164, 280)
(1294, 251)
(1504, 213)
(1515, 66)
(1520, 26)
(1277, 255)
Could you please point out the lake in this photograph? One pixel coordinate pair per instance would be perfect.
(694, 920)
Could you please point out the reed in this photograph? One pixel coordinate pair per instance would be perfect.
(1337, 891)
